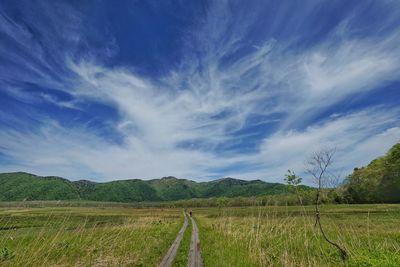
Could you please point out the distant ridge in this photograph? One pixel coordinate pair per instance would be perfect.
(20, 186)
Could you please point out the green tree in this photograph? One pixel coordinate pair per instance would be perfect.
(377, 182)
(292, 179)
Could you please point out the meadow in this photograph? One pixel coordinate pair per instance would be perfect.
(243, 236)
(286, 236)
(86, 236)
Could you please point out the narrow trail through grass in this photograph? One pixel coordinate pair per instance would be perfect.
(171, 253)
(195, 258)
(245, 236)
(182, 256)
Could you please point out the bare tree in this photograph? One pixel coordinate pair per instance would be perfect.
(318, 167)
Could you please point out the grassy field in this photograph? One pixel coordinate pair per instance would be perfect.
(286, 236)
(86, 236)
(253, 236)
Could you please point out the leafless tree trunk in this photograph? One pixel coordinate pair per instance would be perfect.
(318, 167)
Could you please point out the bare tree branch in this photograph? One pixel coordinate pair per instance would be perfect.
(317, 167)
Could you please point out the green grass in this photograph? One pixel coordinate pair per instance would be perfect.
(247, 236)
(286, 236)
(86, 236)
(181, 258)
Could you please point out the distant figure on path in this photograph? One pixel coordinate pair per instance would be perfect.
(190, 212)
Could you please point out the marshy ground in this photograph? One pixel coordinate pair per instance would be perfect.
(248, 236)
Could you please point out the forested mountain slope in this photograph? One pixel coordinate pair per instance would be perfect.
(24, 186)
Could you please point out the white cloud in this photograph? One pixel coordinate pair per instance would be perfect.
(358, 138)
(204, 102)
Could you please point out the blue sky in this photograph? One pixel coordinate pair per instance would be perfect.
(108, 90)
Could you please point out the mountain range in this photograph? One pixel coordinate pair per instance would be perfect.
(20, 186)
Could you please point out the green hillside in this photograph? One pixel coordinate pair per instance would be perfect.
(377, 182)
(24, 186)
(171, 188)
(229, 187)
(123, 191)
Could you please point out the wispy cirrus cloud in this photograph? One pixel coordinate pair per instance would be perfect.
(241, 102)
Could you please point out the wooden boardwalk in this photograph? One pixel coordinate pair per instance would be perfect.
(195, 259)
(170, 256)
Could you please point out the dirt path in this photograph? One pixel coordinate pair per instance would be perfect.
(170, 256)
(195, 259)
